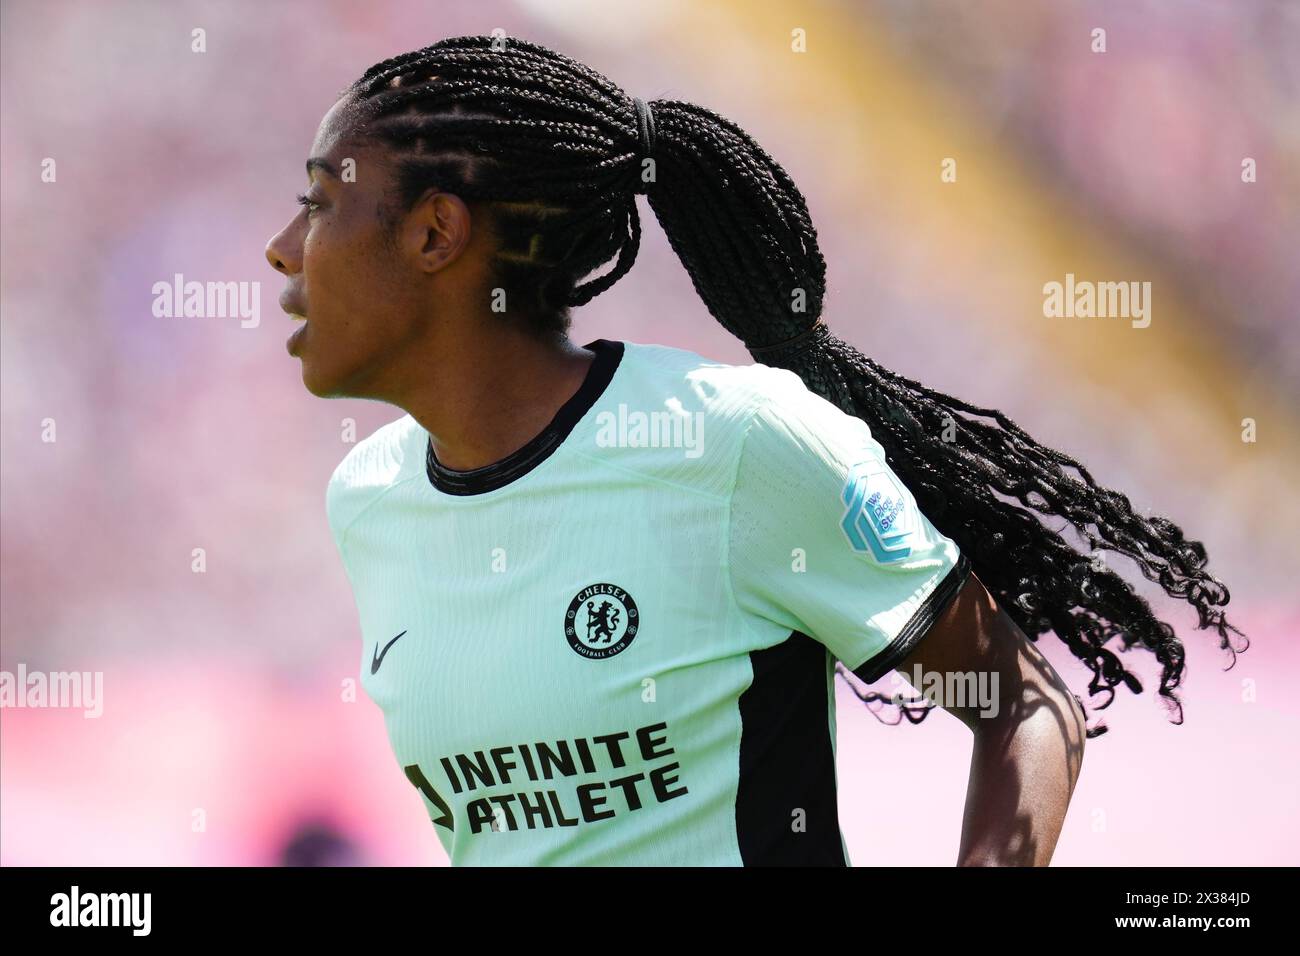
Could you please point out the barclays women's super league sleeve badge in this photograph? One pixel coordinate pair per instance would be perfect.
(879, 516)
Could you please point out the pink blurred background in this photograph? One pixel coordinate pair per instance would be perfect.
(224, 694)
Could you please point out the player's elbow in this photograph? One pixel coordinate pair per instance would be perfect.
(1039, 717)
(1026, 690)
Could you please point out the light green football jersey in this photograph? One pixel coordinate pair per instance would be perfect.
(617, 645)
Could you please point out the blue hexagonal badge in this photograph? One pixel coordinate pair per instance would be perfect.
(878, 517)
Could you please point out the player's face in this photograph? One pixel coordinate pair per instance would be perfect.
(361, 301)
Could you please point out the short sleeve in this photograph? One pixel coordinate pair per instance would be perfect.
(825, 539)
(337, 504)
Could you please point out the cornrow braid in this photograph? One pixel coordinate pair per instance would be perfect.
(554, 151)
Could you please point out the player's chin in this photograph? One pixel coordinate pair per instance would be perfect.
(329, 379)
(317, 376)
(313, 383)
(320, 383)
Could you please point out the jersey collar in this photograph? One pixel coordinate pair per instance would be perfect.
(519, 463)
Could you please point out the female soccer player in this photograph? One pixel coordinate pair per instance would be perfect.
(603, 589)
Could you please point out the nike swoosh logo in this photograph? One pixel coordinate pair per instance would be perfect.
(378, 657)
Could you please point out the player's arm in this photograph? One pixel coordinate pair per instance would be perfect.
(1027, 754)
(884, 589)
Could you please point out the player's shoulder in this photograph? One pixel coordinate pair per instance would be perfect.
(678, 417)
(387, 456)
(739, 396)
(722, 391)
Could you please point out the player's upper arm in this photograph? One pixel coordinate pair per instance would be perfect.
(827, 540)
(974, 636)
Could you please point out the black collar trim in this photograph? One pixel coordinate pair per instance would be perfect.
(519, 463)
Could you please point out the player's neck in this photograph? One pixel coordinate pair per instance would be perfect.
(493, 395)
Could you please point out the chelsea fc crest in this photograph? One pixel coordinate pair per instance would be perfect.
(602, 621)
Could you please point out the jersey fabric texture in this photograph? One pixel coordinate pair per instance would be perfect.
(617, 645)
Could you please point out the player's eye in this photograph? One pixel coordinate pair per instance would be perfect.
(311, 204)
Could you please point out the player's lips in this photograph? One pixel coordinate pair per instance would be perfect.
(290, 302)
(296, 338)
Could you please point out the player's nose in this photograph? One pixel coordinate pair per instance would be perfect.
(284, 250)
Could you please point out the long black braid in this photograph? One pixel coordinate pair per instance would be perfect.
(554, 152)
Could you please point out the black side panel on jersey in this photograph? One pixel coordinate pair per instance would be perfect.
(786, 760)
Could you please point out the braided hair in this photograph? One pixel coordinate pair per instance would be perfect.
(555, 154)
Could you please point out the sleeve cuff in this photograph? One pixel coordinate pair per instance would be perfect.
(880, 664)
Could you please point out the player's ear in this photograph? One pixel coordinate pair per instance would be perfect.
(436, 230)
